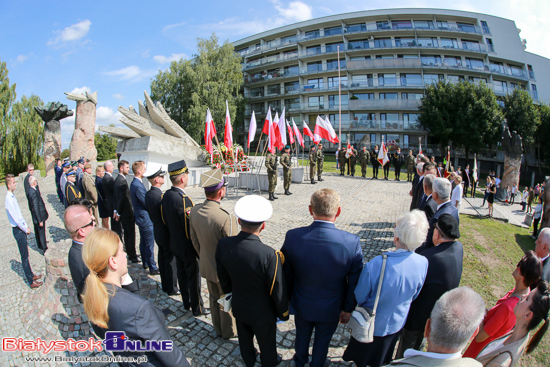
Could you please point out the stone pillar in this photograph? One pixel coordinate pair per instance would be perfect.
(513, 150)
(82, 142)
(51, 114)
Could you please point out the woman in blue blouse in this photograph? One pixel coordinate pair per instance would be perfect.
(403, 279)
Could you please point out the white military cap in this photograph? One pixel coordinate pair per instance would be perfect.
(253, 208)
(154, 170)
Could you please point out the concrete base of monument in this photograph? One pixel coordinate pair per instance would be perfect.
(250, 180)
(297, 174)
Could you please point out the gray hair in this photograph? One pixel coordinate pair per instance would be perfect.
(428, 181)
(411, 228)
(420, 166)
(325, 202)
(455, 318)
(442, 188)
(108, 165)
(32, 180)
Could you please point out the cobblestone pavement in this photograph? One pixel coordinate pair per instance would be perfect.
(369, 210)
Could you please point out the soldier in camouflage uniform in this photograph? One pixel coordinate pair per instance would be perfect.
(410, 166)
(312, 162)
(364, 156)
(287, 170)
(342, 160)
(320, 161)
(271, 165)
(352, 161)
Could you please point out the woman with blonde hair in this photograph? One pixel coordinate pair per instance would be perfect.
(112, 308)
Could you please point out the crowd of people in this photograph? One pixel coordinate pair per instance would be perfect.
(318, 276)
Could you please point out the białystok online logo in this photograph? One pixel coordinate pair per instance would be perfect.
(115, 341)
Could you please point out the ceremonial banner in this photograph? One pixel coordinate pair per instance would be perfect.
(251, 129)
(228, 138)
(209, 132)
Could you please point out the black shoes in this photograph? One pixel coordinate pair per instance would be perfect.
(320, 179)
(205, 311)
(313, 181)
(154, 272)
(271, 197)
(287, 192)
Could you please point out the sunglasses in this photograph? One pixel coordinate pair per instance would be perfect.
(87, 225)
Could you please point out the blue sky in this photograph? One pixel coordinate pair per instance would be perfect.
(116, 47)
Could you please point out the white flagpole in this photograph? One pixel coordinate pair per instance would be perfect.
(339, 104)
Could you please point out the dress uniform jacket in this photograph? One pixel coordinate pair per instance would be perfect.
(90, 191)
(253, 272)
(140, 320)
(71, 192)
(176, 207)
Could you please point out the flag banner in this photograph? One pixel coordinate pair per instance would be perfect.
(349, 151)
(474, 172)
(267, 122)
(252, 129)
(383, 155)
(419, 147)
(297, 133)
(277, 141)
(333, 135)
(448, 164)
(290, 137)
(307, 131)
(282, 127)
(228, 138)
(209, 132)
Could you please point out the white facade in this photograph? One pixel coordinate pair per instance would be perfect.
(386, 59)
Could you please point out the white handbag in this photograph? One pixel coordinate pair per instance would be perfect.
(362, 319)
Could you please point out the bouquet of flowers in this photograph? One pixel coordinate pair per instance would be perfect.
(224, 158)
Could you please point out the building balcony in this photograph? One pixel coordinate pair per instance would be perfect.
(270, 60)
(382, 125)
(509, 72)
(271, 76)
(397, 26)
(384, 104)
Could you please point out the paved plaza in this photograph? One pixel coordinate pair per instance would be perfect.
(369, 210)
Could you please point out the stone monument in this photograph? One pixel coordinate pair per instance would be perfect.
(154, 137)
(513, 149)
(546, 204)
(51, 114)
(82, 142)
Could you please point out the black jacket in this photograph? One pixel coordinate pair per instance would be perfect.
(123, 200)
(71, 192)
(448, 208)
(429, 207)
(418, 191)
(176, 215)
(153, 201)
(37, 206)
(108, 184)
(254, 273)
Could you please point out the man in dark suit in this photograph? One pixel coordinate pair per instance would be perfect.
(442, 196)
(26, 185)
(109, 189)
(253, 272)
(79, 222)
(58, 172)
(542, 249)
(176, 207)
(467, 179)
(147, 240)
(418, 194)
(428, 204)
(124, 210)
(166, 259)
(321, 288)
(39, 213)
(444, 273)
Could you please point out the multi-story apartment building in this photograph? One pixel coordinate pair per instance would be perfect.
(386, 59)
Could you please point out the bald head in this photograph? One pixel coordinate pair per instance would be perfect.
(108, 166)
(32, 180)
(75, 217)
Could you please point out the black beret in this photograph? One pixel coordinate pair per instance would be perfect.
(448, 225)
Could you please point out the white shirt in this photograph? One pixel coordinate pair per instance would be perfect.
(497, 182)
(440, 205)
(14, 212)
(413, 352)
(456, 196)
(525, 195)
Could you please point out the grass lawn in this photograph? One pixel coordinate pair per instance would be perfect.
(491, 252)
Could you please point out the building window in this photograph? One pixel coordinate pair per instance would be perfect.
(475, 64)
(333, 82)
(384, 57)
(333, 31)
(485, 27)
(258, 107)
(401, 24)
(475, 80)
(442, 24)
(288, 39)
(313, 50)
(333, 47)
(411, 79)
(363, 96)
(287, 55)
(362, 80)
(466, 27)
(358, 45)
(388, 120)
(470, 45)
(333, 64)
(427, 42)
(432, 78)
(407, 56)
(314, 84)
(275, 106)
(393, 139)
(405, 42)
(416, 96)
(387, 79)
(373, 140)
(454, 61)
(316, 102)
(531, 72)
(410, 121)
(405, 141)
(291, 70)
(449, 42)
(424, 24)
(292, 87)
(360, 27)
(388, 95)
(455, 78)
(496, 67)
(382, 42)
(333, 101)
(534, 90)
(312, 34)
(431, 60)
(383, 25)
(292, 104)
(490, 45)
(257, 92)
(500, 87)
(314, 66)
(274, 89)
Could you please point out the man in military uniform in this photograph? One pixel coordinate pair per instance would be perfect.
(271, 165)
(166, 259)
(397, 163)
(352, 161)
(209, 223)
(410, 166)
(176, 208)
(342, 161)
(287, 170)
(320, 161)
(71, 191)
(253, 273)
(374, 162)
(312, 162)
(80, 174)
(364, 161)
(90, 191)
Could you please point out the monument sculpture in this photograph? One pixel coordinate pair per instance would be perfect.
(546, 204)
(51, 114)
(82, 142)
(153, 137)
(513, 147)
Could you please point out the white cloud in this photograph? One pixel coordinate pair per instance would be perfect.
(118, 96)
(145, 54)
(71, 33)
(21, 58)
(295, 12)
(81, 90)
(161, 59)
(131, 73)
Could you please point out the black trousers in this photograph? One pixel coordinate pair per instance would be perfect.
(116, 227)
(21, 239)
(129, 228)
(266, 337)
(386, 170)
(397, 171)
(167, 269)
(40, 236)
(375, 170)
(190, 284)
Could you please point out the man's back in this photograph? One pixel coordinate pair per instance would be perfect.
(137, 193)
(123, 203)
(322, 267)
(108, 184)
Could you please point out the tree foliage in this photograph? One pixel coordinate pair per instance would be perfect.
(543, 132)
(463, 115)
(189, 87)
(521, 115)
(106, 146)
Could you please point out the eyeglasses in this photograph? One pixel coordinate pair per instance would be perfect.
(87, 225)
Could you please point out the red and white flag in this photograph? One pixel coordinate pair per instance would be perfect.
(282, 128)
(447, 172)
(277, 143)
(383, 155)
(419, 147)
(290, 137)
(267, 122)
(308, 132)
(209, 132)
(228, 138)
(252, 129)
(332, 132)
(297, 133)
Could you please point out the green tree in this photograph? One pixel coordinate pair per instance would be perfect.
(521, 115)
(188, 88)
(7, 96)
(463, 114)
(106, 146)
(65, 153)
(542, 133)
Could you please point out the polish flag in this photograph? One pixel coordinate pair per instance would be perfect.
(209, 132)
(383, 155)
(267, 122)
(297, 133)
(252, 129)
(277, 142)
(282, 128)
(324, 130)
(332, 132)
(308, 132)
(419, 147)
(291, 138)
(447, 171)
(228, 138)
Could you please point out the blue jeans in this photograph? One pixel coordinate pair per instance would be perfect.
(147, 247)
(21, 238)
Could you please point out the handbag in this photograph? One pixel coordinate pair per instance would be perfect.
(362, 319)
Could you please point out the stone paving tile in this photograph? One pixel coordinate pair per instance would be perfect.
(369, 210)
